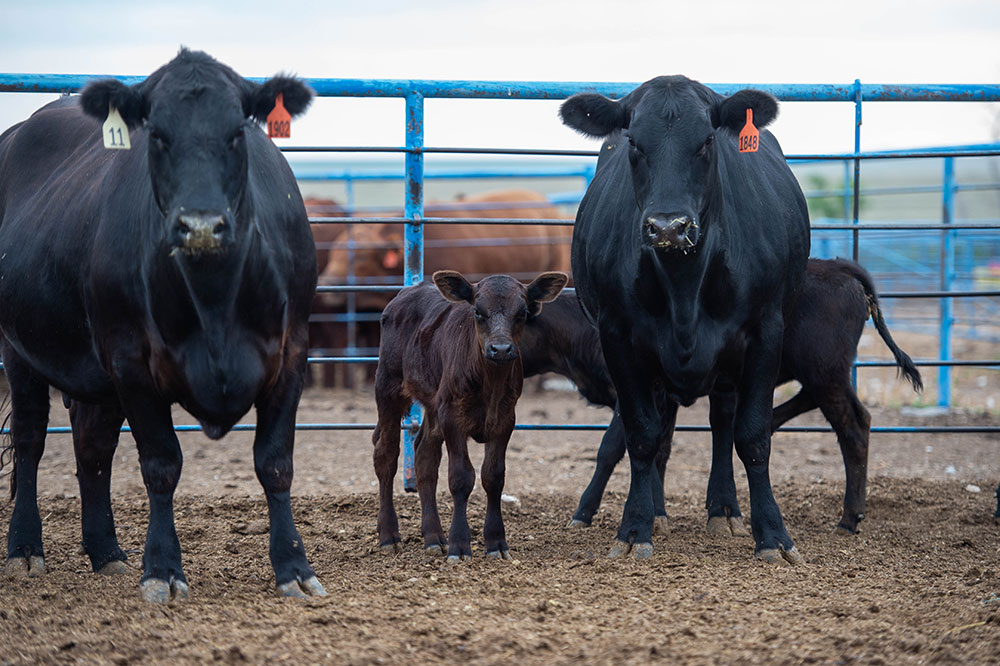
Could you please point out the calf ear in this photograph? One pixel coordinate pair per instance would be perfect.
(544, 289)
(97, 96)
(259, 100)
(732, 111)
(454, 287)
(593, 115)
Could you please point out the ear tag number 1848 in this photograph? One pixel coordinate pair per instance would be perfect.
(115, 131)
(279, 121)
(749, 136)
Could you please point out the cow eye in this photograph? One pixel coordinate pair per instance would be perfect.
(157, 136)
(480, 316)
(705, 146)
(237, 137)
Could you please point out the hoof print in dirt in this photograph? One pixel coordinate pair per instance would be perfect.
(158, 591)
(21, 567)
(302, 589)
(640, 551)
(779, 556)
(726, 526)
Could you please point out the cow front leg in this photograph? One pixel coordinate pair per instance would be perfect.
(160, 461)
(28, 420)
(273, 446)
(637, 407)
(724, 515)
(493, 473)
(461, 480)
(96, 429)
(427, 460)
(752, 430)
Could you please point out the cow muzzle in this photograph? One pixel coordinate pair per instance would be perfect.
(671, 232)
(201, 233)
(501, 352)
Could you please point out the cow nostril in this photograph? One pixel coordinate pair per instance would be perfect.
(183, 228)
(219, 228)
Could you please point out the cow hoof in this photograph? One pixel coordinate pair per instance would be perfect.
(113, 568)
(21, 567)
(498, 555)
(779, 556)
(843, 530)
(392, 548)
(640, 551)
(724, 526)
(455, 559)
(576, 524)
(660, 526)
(435, 549)
(302, 589)
(158, 591)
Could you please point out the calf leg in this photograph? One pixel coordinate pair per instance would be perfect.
(461, 480)
(392, 405)
(29, 418)
(273, 446)
(427, 452)
(95, 438)
(492, 474)
(852, 423)
(724, 516)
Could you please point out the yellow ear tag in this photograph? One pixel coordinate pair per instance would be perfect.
(115, 131)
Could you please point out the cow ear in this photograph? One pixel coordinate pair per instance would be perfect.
(732, 111)
(99, 95)
(594, 115)
(259, 99)
(454, 287)
(544, 289)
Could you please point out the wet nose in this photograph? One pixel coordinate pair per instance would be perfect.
(198, 232)
(501, 351)
(671, 231)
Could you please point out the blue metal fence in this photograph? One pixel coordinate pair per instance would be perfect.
(414, 92)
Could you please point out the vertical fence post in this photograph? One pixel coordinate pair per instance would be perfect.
(855, 252)
(947, 277)
(413, 249)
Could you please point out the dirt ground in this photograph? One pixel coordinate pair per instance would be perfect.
(920, 584)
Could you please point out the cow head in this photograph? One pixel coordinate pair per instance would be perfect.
(671, 125)
(196, 113)
(500, 305)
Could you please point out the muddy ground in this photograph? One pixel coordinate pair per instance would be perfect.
(920, 584)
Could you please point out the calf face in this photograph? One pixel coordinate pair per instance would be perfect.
(501, 305)
(671, 141)
(195, 118)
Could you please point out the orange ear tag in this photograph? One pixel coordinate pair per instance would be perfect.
(279, 121)
(749, 136)
(391, 259)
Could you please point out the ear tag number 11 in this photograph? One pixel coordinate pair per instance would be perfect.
(115, 131)
(749, 136)
(279, 121)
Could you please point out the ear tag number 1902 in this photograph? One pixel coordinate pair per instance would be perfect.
(279, 121)
(749, 136)
(115, 131)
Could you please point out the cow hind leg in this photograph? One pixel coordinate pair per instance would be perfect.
(95, 437)
(427, 452)
(609, 454)
(28, 420)
(724, 515)
(391, 408)
(852, 423)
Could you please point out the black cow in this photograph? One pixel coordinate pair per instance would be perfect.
(687, 254)
(820, 343)
(459, 357)
(180, 271)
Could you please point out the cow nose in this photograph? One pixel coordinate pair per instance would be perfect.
(672, 231)
(501, 352)
(201, 232)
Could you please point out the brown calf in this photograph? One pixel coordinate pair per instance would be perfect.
(458, 356)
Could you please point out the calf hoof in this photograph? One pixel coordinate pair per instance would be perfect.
(498, 555)
(113, 568)
(660, 526)
(435, 549)
(391, 548)
(455, 559)
(726, 526)
(779, 556)
(302, 589)
(25, 567)
(159, 591)
(576, 524)
(640, 551)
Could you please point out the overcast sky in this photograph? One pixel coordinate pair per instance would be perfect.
(718, 41)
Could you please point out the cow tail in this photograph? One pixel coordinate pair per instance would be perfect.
(7, 450)
(903, 360)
